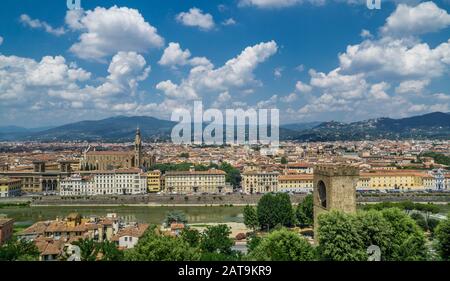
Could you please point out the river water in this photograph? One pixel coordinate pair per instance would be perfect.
(153, 215)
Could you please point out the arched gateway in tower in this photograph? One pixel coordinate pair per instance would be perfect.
(334, 189)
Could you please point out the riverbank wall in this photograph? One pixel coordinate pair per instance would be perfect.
(216, 200)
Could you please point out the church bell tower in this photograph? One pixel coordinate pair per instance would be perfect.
(138, 149)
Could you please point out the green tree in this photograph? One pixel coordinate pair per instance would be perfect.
(184, 155)
(233, 175)
(374, 229)
(250, 217)
(175, 216)
(154, 247)
(282, 245)
(407, 239)
(191, 236)
(438, 157)
(347, 236)
(420, 220)
(305, 212)
(442, 236)
(284, 161)
(339, 239)
(216, 239)
(19, 250)
(89, 249)
(110, 252)
(275, 209)
(253, 242)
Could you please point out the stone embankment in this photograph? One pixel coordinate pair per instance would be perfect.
(219, 200)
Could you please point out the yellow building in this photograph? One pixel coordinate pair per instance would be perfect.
(402, 180)
(258, 181)
(10, 187)
(154, 181)
(295, 183)
(211, 181)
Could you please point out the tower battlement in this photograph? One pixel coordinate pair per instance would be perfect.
(333, 170)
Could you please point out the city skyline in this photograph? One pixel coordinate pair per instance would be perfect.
(71, 66)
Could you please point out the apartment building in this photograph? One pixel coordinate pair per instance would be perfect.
(258, 181)
(211, 181)
(388, 180)
(77, 185)
(115, 182)
(295, 183)
(10, 187)
(154, 181)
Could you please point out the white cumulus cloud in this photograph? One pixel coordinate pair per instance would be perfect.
(302, 87)
(174, 56)
(423, 18)
(196, 18)
(38, 24)
(269, 3)
(236, 73)
(106, 32)
(412, 86)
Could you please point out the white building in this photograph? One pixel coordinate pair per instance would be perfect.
(129, 236)
(116, 182)
(76, 185)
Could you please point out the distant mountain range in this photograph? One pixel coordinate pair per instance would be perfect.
(120, 128)
(429, 126)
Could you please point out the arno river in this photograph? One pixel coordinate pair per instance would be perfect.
(156, 215)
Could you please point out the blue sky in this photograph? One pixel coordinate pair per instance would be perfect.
(314, 60)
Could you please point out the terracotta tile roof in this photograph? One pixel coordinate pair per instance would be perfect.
(393, 173)
(9, 181)
(133, 231)
(299, 165)
(110, 152)
(296, 177)
(176, 226)
(209, 172)
(5, 221)
(49, 246)
(36, 229)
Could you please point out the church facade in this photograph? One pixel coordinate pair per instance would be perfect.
(111, 160)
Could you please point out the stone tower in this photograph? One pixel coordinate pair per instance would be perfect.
(138, 149)
(39, 166)
(334, 189)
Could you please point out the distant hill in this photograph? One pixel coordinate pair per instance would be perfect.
(17, 129)
(119, 128)
(301, 126)
(11, 133)
(429, 126)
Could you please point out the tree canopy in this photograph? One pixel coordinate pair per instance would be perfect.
(18, 250)
(305, 212)
(154, 247)
(347, 236)
(250, 217)
(275, 209)
(282, 245)
(175, 216)
(216, 239)
(442, 234)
